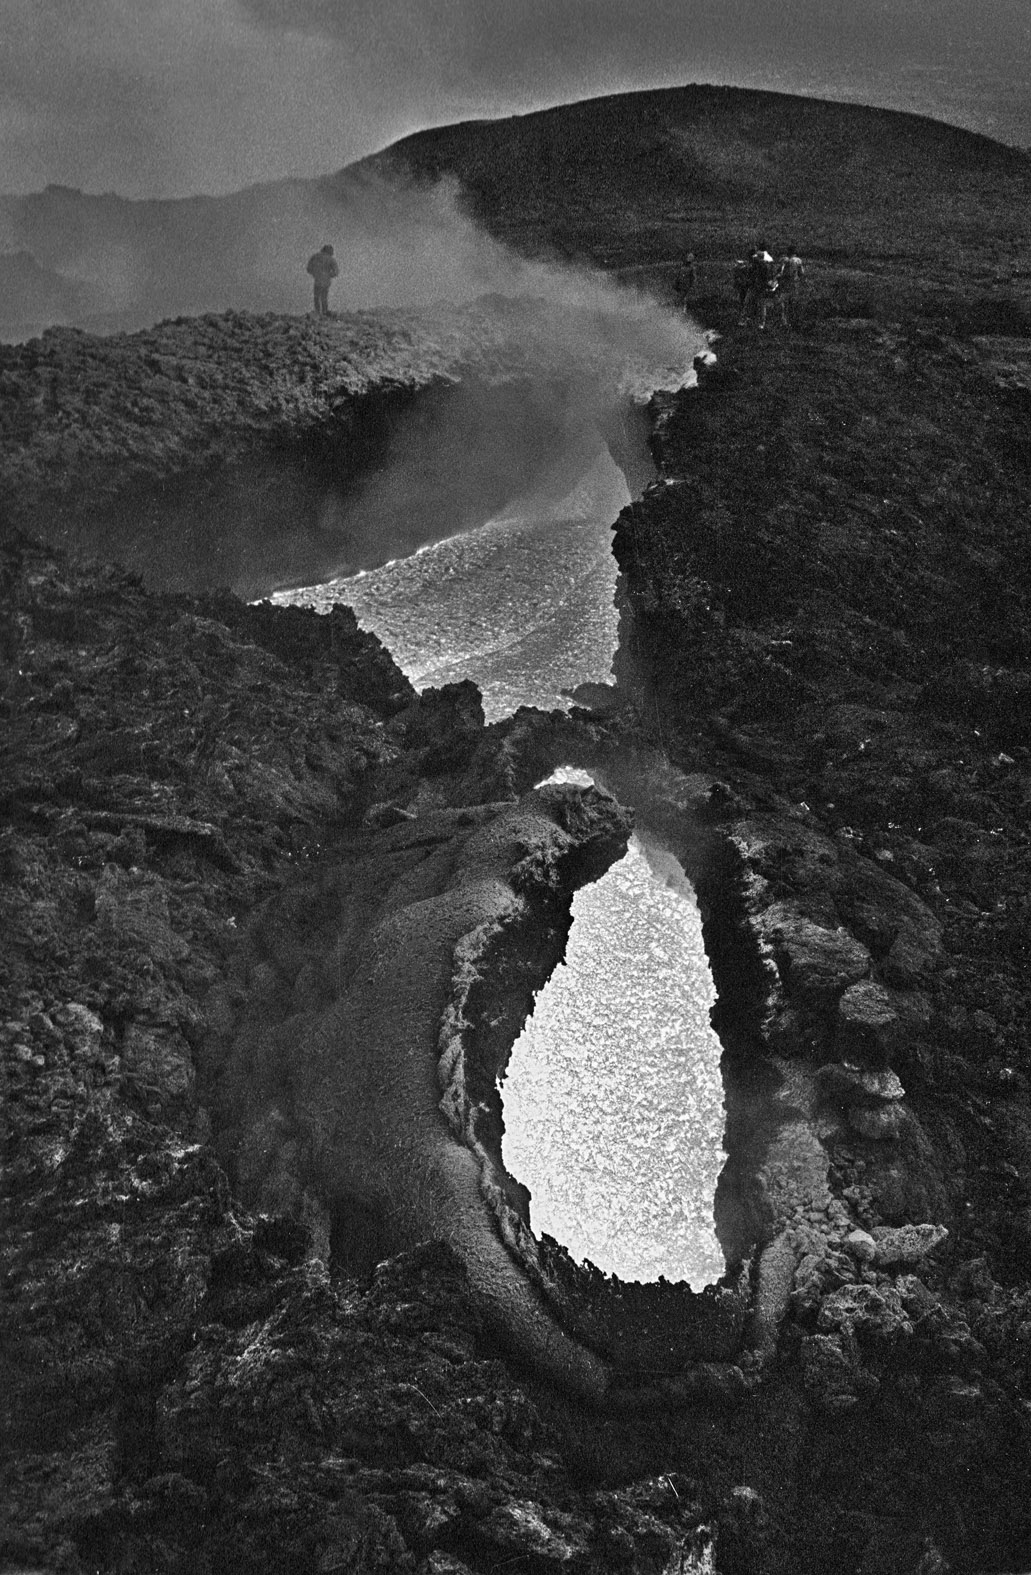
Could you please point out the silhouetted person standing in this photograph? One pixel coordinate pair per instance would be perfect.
(323, 269)
(790, 274)
(762, 283)
(741, 282)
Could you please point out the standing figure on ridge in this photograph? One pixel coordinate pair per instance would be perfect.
(790, 274)
(762, 282)
(323, 269)
(741, 282)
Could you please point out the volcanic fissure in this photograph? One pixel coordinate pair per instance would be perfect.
(611, 1097)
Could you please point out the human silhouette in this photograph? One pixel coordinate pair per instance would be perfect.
(762, 284)
(323, 269)
(790, 274)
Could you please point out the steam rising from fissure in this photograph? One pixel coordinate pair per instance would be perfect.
(613, 1101)
(107, 263)
(531, 456)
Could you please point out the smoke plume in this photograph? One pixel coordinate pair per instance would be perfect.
(526, 369)
(106, 263)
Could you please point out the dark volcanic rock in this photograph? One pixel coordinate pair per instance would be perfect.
(349, 1093)
(792, 641)
(853, 1085)
(813, 961)
(868, 1027)
(185, 1385)
(257, 451)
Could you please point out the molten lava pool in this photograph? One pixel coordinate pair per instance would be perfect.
(613, 1099)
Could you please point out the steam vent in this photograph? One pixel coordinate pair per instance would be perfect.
(514, 860)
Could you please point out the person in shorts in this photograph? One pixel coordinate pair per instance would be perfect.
(762, 284)
(790, 276)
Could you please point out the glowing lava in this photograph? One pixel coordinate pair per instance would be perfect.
(613, 1099)
(524, 606)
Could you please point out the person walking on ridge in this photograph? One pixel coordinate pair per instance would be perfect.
(790, 274)
(323, 269)
(762, 283)
(741, 284)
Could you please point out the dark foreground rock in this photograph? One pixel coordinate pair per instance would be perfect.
(255, 451)
(195, 1386)
(827, 595)
(187, 1385)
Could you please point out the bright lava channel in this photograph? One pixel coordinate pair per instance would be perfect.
(613, 1099)
(524, 606)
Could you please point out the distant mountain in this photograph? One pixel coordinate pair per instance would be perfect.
(629, 176)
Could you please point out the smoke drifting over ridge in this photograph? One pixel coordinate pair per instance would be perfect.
(502, 378)
(107, 264)
(554, 360)
(562, 355)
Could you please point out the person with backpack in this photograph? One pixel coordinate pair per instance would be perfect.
(323, 269)
(790, 274)
(761, 286)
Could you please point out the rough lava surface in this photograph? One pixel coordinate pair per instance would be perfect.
(209, 1361)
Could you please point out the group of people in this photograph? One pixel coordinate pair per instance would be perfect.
(761, 281)
(758, 279)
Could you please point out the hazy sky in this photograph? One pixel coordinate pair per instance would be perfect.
(166, 97)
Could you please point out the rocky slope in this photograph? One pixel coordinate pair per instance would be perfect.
(175, 767)
(828, 591)
(824, 674)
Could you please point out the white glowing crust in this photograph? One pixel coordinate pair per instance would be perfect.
(613, 1101)
(524, 606)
